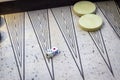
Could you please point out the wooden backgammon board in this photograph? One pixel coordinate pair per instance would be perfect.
(25, 37)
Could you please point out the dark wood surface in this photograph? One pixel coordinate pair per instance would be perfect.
(26, 5)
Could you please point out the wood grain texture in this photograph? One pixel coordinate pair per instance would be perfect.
(25, 5)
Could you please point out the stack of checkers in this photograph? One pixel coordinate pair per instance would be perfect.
(88, 21)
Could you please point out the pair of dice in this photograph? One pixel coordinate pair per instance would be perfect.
(52, 52)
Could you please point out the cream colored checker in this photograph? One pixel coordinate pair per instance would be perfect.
(90, 22)
(84, 7)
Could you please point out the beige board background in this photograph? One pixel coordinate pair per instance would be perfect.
(84, 55)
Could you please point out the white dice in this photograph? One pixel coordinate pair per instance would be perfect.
(52, 52)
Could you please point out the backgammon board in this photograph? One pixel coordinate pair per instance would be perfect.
(83, 55)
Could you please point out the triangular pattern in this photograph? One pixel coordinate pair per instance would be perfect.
(40, 23)
(110, 14)
(98, 40)
(16, 28)
(63, 17)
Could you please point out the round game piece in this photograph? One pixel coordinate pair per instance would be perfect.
(84, 7)
(2, 36)
(90, 22)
